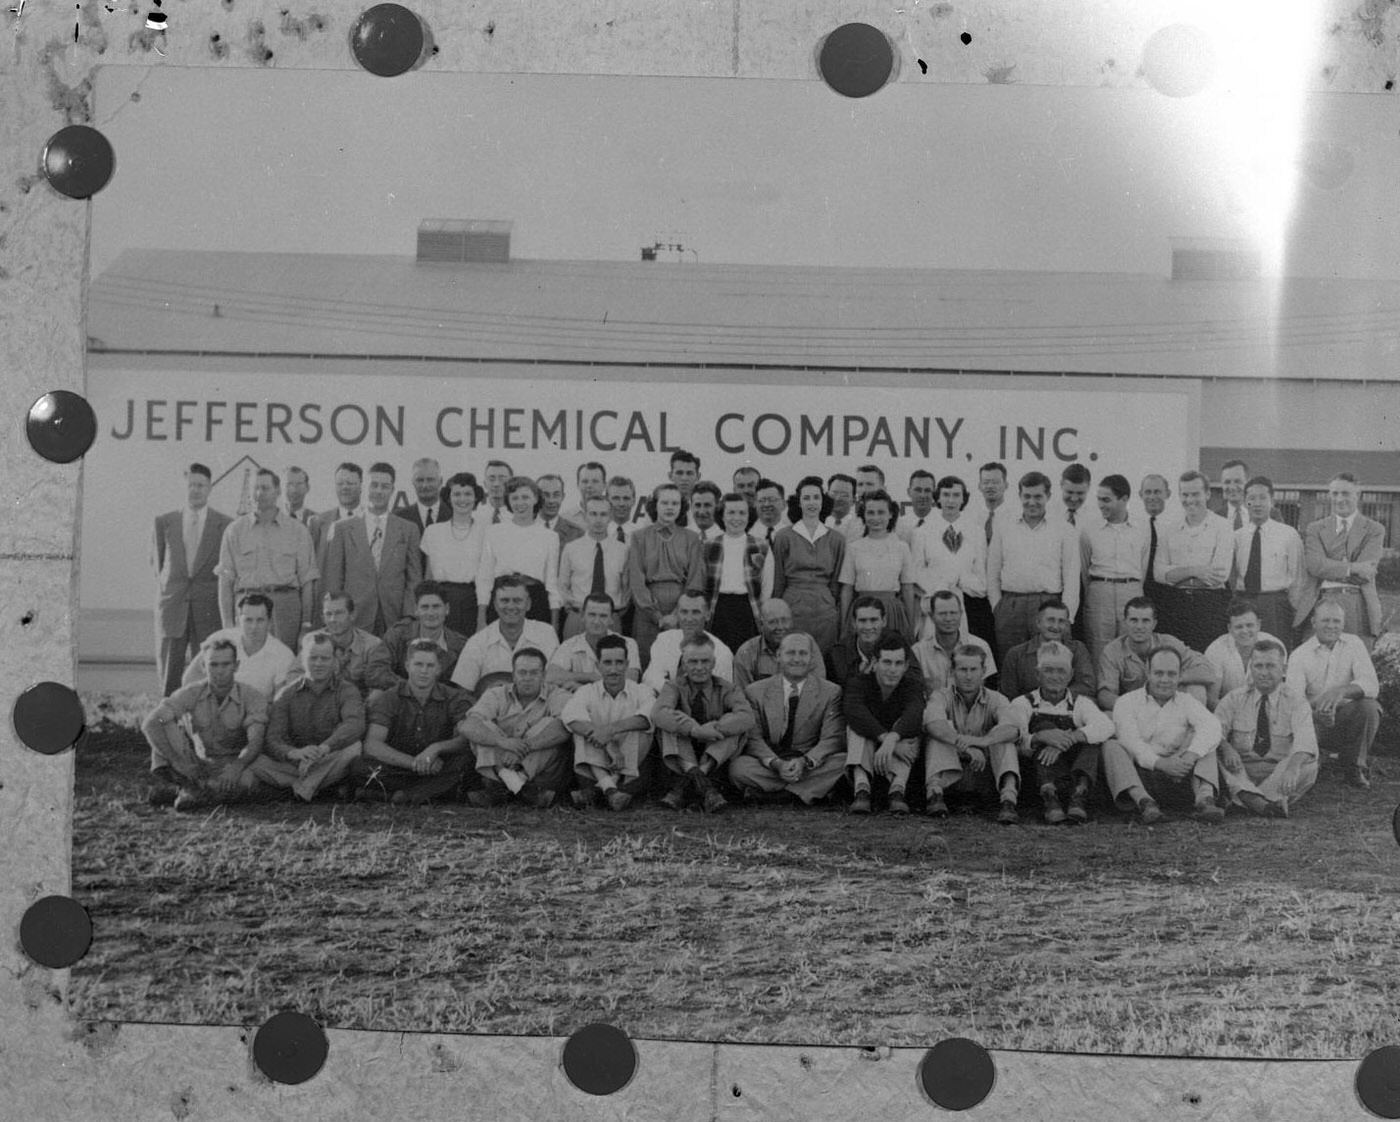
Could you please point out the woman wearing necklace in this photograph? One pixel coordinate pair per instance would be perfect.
(807, 559)
(453, 549)
(880, 565)
(524, 546)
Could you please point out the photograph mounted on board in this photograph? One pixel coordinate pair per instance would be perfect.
(550, 555)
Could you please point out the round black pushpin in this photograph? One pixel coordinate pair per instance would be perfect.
(78, 161)
(957, 1074)
(599, 1059)
(61, 426)
(387, 39)
(290, 1048)
(856, 59)
(1378, 1082)
(49, 718)
(55, 931)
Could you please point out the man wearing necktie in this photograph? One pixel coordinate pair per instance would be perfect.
(1114, 549)
(703, 721)
(1154, 491)
(1230, 505)
(375, 558)
(797, 746)
(1268, 758)
(1340, 555)
(920, 513)
(594, 564)
(184, 552)
(1268, 562)
(297, 485)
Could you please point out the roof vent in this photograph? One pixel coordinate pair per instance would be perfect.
(464, 240)
(1200, 259)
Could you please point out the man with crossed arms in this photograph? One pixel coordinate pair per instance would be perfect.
(703, 721)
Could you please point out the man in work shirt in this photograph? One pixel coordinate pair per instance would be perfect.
(972, 735)
(1123, 667)
(611, 723)
(317, 725)
(1030, 560)
(574, 662)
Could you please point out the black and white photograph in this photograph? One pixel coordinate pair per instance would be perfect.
(558, 548)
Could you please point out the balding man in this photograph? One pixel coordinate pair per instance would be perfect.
(1154, 491)
(427, 489)
(1341, 554)
(1334, 672)
(757, 658)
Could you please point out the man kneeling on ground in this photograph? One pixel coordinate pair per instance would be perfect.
(1061, 735)
(413, 751)
(205, 736)
(972, 739)
(611, 723)
(703, 721)
(517, 732)
(884, 710)
(1163, 736)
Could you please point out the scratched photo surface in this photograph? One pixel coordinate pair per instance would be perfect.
(305, 269)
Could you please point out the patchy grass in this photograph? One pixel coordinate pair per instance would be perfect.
(777, 924)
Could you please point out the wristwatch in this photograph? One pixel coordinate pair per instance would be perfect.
(808, 763)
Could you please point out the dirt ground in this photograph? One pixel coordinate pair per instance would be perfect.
(774, 924)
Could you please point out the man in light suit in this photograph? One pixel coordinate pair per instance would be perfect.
(186, 549)
(798, 744)
(375, 558)
(1340, 555)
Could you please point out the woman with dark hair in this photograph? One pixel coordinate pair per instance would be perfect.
(950, 551)
(734, 564)
(807, 560)
(453, 549)
(880, 565)
(524, 546)
(663, 560)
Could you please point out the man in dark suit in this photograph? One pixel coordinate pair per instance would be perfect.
(349, 479)
(186, 549)
(427, 486)
(1230, 504)
(374, 557)
(798, 744)
(297, 486)
(1340, 555)
(551, 500)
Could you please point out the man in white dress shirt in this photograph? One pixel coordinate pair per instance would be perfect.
(1113, 553)
(1194, 554)
(1163, 736)
(1333, 670)
(574, 662)
(705, 499)
(264, 661)
(592, 481)
(691, 618)
(1030, 560)
(921, 489)
(611, 723)
(1268, 563)
(1232, 505)
(487, 658)
(771, 504)
(842, 489)
(1229, 655)
(595, 564)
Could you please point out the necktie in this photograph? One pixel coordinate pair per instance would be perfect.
(1261, 729)
(1239, 519)
(990, 516)
(191, 539)
(376, 543)
(1151, 549)
(699, 711)
(427, 518)
(920, 525)
(952, 539)
(785, 744)
(768, 537)
(1071, 517)
(621, 535)
(1342, 527)
(599, 587)
(495, 515)
(1256, 561)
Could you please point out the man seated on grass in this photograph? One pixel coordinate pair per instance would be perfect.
(316, 727)
(703, 722)
(1229, 655)
(518, 736)
(413, 750)
(430, 624)
(972, 740)
(757, 658)
(1268, 758)
(1163, 736)
(488, 657)
(797, 745)
(692, 615)
(934, 654)
(575, 662)
(205, 736)
(611, 723)
(1052, 625)
(264, 661)
(1334, 671)
(1061, 736)
(884, 710)
(1123, 664)
(357, 651)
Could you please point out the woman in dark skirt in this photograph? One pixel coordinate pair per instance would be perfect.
(807, 559)
(525, 546)
(734, 574)
(454, 548)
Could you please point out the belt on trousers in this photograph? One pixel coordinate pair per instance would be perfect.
(1004, 592)
(1326, 588)
(1201, 591)
(266, 588)
(457, 583)
(1116, 580)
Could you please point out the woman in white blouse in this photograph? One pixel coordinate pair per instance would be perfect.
(524, 545)
(950, 550)
(453, 549)
(880, 565)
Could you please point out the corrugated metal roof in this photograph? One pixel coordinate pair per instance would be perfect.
(657, 312)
